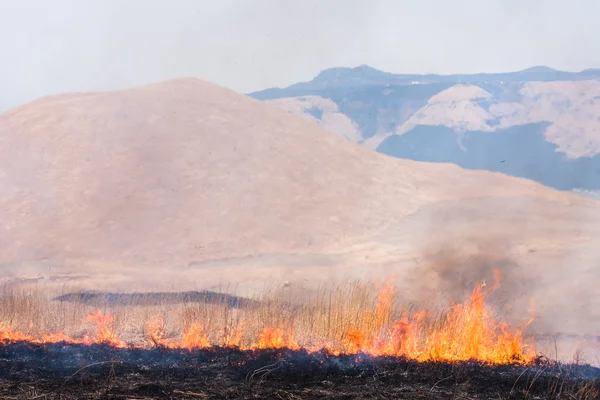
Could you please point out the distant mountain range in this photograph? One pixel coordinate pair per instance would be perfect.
(539, 123)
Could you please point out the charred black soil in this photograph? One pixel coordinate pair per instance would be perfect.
(64, 371)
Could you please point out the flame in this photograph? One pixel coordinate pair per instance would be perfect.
(105, 333)
(56, 338)
(385, 300)
(157, 332)
(355, 341)
(271, 338)
(8, 335)
(233, 338)
(195, 337)
(466, 331)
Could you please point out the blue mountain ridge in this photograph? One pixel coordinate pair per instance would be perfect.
(369, 97)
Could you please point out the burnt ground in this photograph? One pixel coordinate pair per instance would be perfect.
(62, 371)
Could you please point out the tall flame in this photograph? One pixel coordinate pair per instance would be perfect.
(195, 337)
(105, 333)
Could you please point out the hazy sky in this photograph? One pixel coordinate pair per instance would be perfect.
(50, 46)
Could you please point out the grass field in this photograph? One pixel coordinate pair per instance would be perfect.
(228, 336)
(343, 318)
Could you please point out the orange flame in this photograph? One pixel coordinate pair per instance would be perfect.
(234, 338)
(7, 335)
(466, 332)
(105, 333)
(194, 337)
(56, 338)
(385, 300)
(157, 332)
(271, 338)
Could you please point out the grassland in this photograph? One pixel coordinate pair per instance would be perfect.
(253, 339)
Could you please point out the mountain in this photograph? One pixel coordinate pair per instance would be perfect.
(539, 123)
(183, 184)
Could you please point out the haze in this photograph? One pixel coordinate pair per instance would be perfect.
(68, 45)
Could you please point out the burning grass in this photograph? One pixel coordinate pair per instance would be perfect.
(339, 322)
(352, 341)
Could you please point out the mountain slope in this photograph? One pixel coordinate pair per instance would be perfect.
(187, 184)
(566, 106)
(170, 160)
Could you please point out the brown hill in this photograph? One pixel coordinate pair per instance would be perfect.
(189, 184)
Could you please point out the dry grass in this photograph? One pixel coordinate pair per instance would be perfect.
(315, 318)
(318, 318)
(324, 317)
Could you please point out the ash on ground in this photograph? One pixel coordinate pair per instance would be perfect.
(64, 371)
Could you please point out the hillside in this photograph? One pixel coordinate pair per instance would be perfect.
(556, 113)
(185, 184)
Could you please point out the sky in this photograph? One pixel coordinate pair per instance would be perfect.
(58, 46)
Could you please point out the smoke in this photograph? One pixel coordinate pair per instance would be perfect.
(453, 268)
(448, 270)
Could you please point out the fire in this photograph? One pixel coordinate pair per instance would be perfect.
(56, 338)
(233, 338)
(157, 332)
(8, 335)
(105, 332)
(466, 331)
(276, 339)
(195, 337)
(385, 301)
